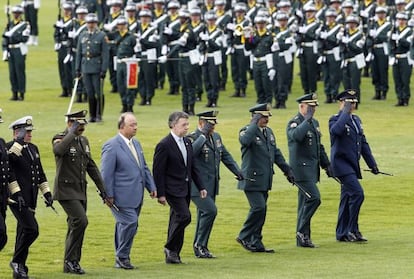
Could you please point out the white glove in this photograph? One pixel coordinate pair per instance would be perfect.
(345, 40)
(369, 57)
(204, 36)
(68, 58)
(360, 43)
(247, 33)
(299, 13)
(201, 61)
(364, 13)
(153, 38)
(323, 35)
(168, 31)
(271, 74)
(7, 34)
(394, 37)
(302, 29)
(57, 46)
(164, 50)
(26, 32)
(71, 34)
(231, 26)
(339, 36)
(411, 22)
(59, 24)
(321, 60)
(373, 33)
(391, 61)
(137, 47)
(162, 59)
(289, 41)
(229, 50)
(275, 46)
(107, 27)
(5, 55)
(182, 41)
(293, 28)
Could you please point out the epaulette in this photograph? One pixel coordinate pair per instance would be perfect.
(58, 137)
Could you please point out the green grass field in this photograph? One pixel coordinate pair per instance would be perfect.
(386, 217)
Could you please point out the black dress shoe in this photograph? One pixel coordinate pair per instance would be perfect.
(171, 257)
(359, 237)
(263, 250)
(73, 267)
(302, 240)
(249, 247)
(202, 252)
(123, 263)
(19, 271)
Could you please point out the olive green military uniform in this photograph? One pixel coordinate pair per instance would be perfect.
(92, 61)
(125, 49)
(221, 22)
(260, 46)
(73, 161)
(15, 45)
(378, 42)
(208, 153)
(79, 27)
(259, 153)
(171, 67)
(306, 155)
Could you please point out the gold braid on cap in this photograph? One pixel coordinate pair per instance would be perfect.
(14, 187)
(44, 187)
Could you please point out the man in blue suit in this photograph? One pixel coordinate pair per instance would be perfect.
(348, 143)
(125, 174)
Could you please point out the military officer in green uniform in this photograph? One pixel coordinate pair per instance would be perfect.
(308, 49)
(401, 55)
(92, 64)
(63, 48)
(306, 156)
(377, 41)
(31, 10)
(208, 151)
(73, 160)
(148, 45)
(14, 51)
(260, 41)
(25, 163)
(259, 153)
(125, 42)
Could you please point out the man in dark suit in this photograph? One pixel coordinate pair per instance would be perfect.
(259, 153)
(24, 159)
(173, 171)
(73, 161)
(125, 174)
(348, 143)
(306, 156)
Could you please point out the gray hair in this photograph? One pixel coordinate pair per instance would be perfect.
(175, 116)
(121, 119)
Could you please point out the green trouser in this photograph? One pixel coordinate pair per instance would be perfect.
(171, 68)
(402, 74)
(379, 70)
(17, 71)
(262, 82)
(206, 214)
(77, 223)
(111, 68)
(30, 14)
(307, 206)
(308, 70)
(223, 68)
(187, 82)
(65, 70)
(239, 67)
(252, 227)
(331, 75)
(211, 79)
(198, 73)
(127, 95)
(351, 77)
(284, 76)
(148, 81)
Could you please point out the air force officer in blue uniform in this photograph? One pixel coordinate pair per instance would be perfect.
(126, 174)
(348, 143)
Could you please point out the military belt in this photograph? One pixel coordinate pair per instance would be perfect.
(184, 54)
(402, 55)
(210, 54)
(239, 46)
(378, 45)
(350, 60)
(307, 44)
(64, 43)
(259, 59)
(331, 51)
(14, 46)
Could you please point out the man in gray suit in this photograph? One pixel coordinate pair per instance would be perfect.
(125, 174)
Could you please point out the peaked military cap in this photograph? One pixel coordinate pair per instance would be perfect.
(309, 7)
(263, 109)
(130, 7)
(400, 2)
(347, 4)
(68, 5)
(210, 116)
(81, 10)
(79, 116)
(282, 16)
(210, 15)
(349, 95)
(195, 11)
(310, 99)
(380, 9)
(91, 17)
(219, 3)
(121, 20)
(240, 7)
(352, 19)
(183, 13)
(145, 13)
(401, 15)
(284, 3)
(1, 118)
(24, 122)
(330, 12)
(17, 9)
(173, 4)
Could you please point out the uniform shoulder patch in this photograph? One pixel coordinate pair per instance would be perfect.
(293, 125)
